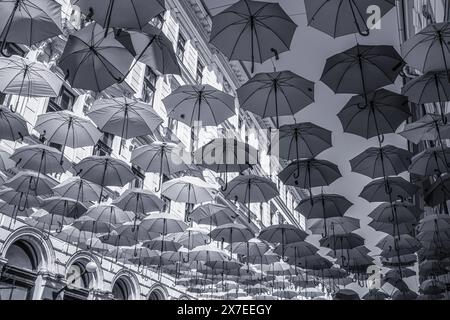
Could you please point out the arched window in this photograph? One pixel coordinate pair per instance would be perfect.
(18, 279)
(156, 295)
(121, 290)
(79, 282)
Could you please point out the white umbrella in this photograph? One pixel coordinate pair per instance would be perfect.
(188, 190)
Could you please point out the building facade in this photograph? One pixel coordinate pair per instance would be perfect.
(33, 266)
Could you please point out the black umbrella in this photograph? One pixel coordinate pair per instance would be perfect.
(377, 190)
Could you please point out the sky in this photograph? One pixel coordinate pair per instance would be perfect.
(309, 50)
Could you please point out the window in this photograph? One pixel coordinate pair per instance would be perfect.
(149, 87)
(64, 101)
(104, 145)
(200, 70)
(181, 46)
(138, 182)
(121, 290)
(80, 282)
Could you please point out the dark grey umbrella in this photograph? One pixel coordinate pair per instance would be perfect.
(377, 190)
(342, 241)
(382, 161)
(398, 246)
(41, 158)
(276, 94)
(92, 61)
(252, 31)
(430, 127)
(430, 162)
(12, 125)
(362, 69)
(428, 88)
(337, 225)
(383, 113)
(439, 191)
(28, 21)
(342, 17)
(396, 212)
(231, 233)
(282, 234)
(302, 140)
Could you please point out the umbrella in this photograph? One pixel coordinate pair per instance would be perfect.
(188, 190)
(104, 171)
(224, 155)
(376, 191)
(43, 220)
(362, 69)
(231, 233)
(88, 224)
(92, 61)
(23, 77)
(117, 240)
(434, 223)
(276, 94)
(337, 225)
(252, 247)
(382, 113)
(109, 214)
(340, 17)
(124, 117)
(346, 294)
(310, 173)
(430, 162)
(381, 162)
(396, 212)
(161, 244)
(408, 295)
(208, 253)
(5, 162)
(159, 157)
(342, 241)
(67, 129)
(133, 14)
(199, 103)
(12, 210)
(31, 183)
(430, 127)
(21, 200)
(250, 189)
(428, 49)
(302, 140)
(252, 31)
(78, 189)
(40, 158)
(283, 234)
(192, 237)
(29, 21)
(404, 244)
(13, 126)
(139, 201)
(438, 192)
(433, 287)
(393, 228)
(213, 215)
(151, 47)
(163, 223)
(296, 250)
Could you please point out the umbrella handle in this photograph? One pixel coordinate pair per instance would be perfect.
(60, 228)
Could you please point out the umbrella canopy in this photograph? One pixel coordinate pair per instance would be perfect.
(338, 18)
(398, 212)
(67, 129)
(163, 245)
(92, 61)
(78, 189)
(133, 14)
(86, 223)
(434, 223)
(337, 225)
(64, 207)
(408, 295)
(429, 127)
(208, 253)
(213, 214)
(342, 241)
(303, 140)
(231, 233)
(43, 220)
(346, 294)
(381, 162)
(31, 183)
(252, 247)
(199, 103)
(151, 47)
(296, 250)
(139, 201)
(430, 162)
(324, 206)
(124, 117)
(192, 237)
(428, 88)
(433, 287)
(41, 158)
(29, 21)
(21, 200)
(163, 223)
(109, 214)
(362, 69)
(13, 126)
(398, 187)
(282, 234)
(188, 190)
(393, 228)
(276, 94)
(226, 155)
(394, 246)
(428, 50)
(439, 191)
(382, 113)
(5, 162)
(23, 77)
(252, 31)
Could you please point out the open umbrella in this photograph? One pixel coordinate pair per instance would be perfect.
(276, 94)
(399, 189)
(67, 129)
(430, 162)
(104, 171)
(231, 233)
(5, 162)
(133, 14)
(337, 225)
(159, 157)
(324, 206)
(188, 190)
(28, 21)
(362, 69)
(346, 294)
(252, 31)
(13, 126)
(43, 220)
(109, 214)
(78, 189)
(398, 246)
(430, 127)
(124, 117)
(151, 47)
(92, 61)
(342, 17)
(31, 183)
(40, 158)
(21, 200)
(374, 114)
(282, 234)
(250, 189)
(439, 191)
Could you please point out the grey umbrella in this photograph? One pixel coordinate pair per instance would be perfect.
(151, 47)
(337, 225)
(430, 162)
(375, 114)
(124, 117)
(92, 61)
(376, 191)
(104, 171)
(199, 103)
(276, 94)
(32, 183)
(439, 191)
(28, 21)
(402, 245)
(250, 189)
(78, 189)
(5, 162)
(381, 162)
(252, 31)
(231, 233)
(302, 140)
(133, 14)
(362, 69)
(404, 213)
(282, 234)
(12, 125)
(342, 17)
(429, 127)
(40, 158)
